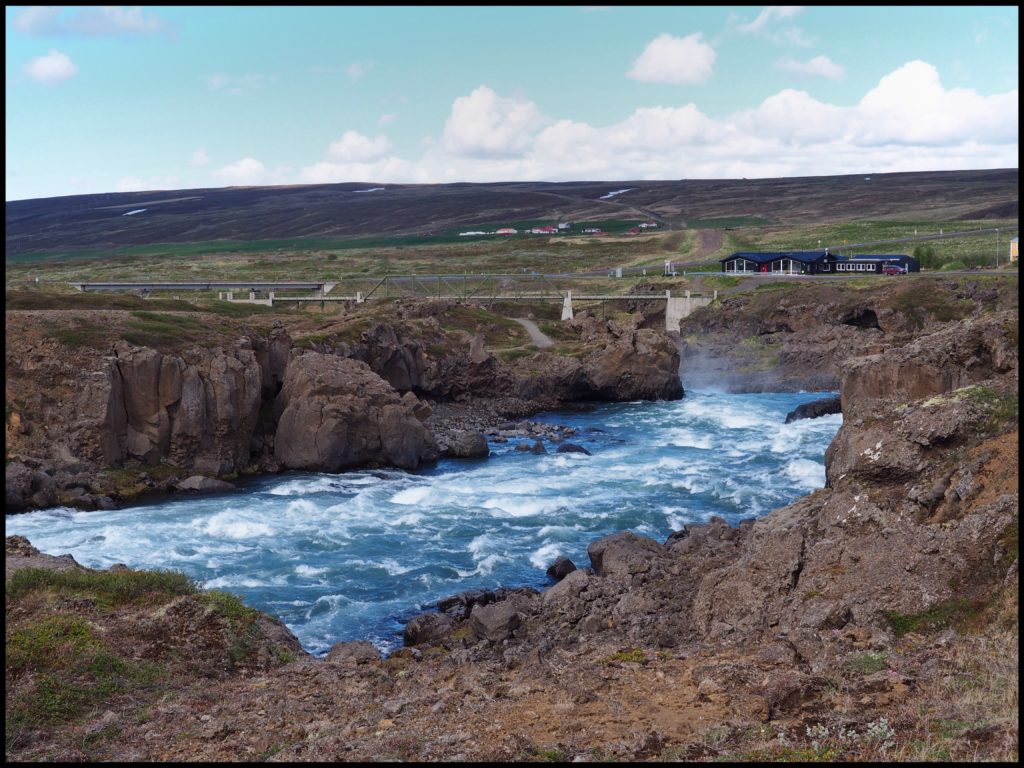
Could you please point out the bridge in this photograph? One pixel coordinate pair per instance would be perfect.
(229, 285)
(482, 287)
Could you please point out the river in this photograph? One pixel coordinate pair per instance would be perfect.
(353, 556)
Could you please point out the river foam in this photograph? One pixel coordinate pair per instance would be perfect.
(355, 555)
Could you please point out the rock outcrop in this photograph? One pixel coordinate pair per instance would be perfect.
(336, 413)
(198, 410)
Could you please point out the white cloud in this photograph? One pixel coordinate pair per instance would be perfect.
(382, 170)
(357, 69)
(54, 67)
(92, 21)
(36, 20)
(908, 122)
(132, 184)
(199, 159)
(668, 59)
(820, 66)
(769, 14)
(390, 117)
(114, 20)
(911, 106)
(354, 147)
(765, 25)
(244, 171)
(485, 124)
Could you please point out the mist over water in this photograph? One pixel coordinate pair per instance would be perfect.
(353, 556)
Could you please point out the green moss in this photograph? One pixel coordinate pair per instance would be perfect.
(153, 329)
(107, 589)
(85, 333)
(67, 670)
(635, 655)
(241, 620)
(866, 663)
(953, 612)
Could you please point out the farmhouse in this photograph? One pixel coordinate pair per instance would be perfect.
(784, 262)
(812, 263)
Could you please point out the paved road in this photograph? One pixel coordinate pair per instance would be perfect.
(537, 336)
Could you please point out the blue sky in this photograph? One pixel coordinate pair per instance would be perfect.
(108, 99)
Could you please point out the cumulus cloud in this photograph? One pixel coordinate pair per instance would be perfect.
(385, 169)
(908, 122)
(668, 59)
(245, 171)
(92, 21)
(54, 67)
(485, 124)
(354, 147)
(199, 159)
(819, 66)
(133, 184)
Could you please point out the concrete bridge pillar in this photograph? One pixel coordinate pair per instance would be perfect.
(567, 306)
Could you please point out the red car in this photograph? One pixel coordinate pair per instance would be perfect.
(893, 269)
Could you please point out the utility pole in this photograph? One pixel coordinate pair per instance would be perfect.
(997, 247)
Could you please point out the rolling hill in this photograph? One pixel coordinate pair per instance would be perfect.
(111, 220)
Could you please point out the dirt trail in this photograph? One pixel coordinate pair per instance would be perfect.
(538, 337)
(710, 240)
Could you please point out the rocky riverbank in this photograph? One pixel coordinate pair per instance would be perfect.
(875, 619)
(101, 423)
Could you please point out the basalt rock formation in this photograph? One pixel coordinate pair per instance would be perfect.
(249, 400)
(337, 414)
(846, 625)
(789, 336)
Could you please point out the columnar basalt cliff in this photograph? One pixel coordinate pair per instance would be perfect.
(250, 400)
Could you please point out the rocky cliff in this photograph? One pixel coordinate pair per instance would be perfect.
(776, 336)
(97, 422)
(872, 620)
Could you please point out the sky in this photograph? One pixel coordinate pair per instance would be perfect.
(131, 98)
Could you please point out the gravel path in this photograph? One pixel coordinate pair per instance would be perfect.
(537, 336)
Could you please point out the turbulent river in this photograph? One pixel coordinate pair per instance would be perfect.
(353, 556)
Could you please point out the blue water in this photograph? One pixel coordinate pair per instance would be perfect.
(353, 556)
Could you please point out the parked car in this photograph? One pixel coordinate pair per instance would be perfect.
(893, 269)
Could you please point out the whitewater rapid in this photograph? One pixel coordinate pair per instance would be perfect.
(353, 556)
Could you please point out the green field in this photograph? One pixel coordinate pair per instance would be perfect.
(365, 260)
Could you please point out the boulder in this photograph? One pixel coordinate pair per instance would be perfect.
(495, 622)
(338, 414)
(466, 444)
(561, 568)
(816, 408)
(355, 652)
(568, 588)
(623, 554)
(204, 484)
(427, 628)
(572, 448)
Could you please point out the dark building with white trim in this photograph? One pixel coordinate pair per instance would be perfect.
(811, 263)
